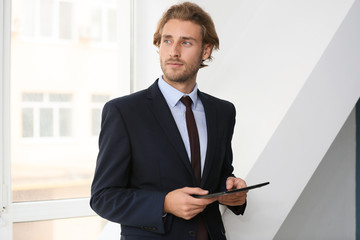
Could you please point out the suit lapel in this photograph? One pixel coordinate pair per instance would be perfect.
(164, 116)
(211, 121)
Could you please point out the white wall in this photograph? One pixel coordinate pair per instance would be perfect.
(304, 135)
(326, 207)
(293, 79)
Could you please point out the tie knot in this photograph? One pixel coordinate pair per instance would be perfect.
(186, 100)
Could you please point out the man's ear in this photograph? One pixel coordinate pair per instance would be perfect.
(207, 51)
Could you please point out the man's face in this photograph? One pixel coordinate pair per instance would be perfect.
(181, 51)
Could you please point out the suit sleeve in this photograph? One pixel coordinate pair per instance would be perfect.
(111, 195)
(228, 167)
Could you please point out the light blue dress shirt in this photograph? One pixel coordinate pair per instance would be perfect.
(172, 97)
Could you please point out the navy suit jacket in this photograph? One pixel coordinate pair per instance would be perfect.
(142, 157)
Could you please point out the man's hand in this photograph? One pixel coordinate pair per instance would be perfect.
(181, 204)
(235, 199)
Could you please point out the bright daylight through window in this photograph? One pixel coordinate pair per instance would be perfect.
(64, 67)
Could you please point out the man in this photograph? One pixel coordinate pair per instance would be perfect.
(152, 160)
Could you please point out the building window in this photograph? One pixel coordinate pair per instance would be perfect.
(46, 115)
(103, 22)
(97, 103)
(48, 19)
(65, 20)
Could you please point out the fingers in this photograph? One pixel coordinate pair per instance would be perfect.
(237, 198)
(199, 191)
(180, 202)
(235, 183)
(229, 183)
(195, 191)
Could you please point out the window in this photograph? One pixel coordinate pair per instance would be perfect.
(53, 147)
(103, 22)
(54, 90)
(47, 19)
(46, 115)
(65, 20)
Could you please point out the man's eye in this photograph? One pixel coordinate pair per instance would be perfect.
(167, 41)
(187, 43)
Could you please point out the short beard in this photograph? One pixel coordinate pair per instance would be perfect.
(185, 76)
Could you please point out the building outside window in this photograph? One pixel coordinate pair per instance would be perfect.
(65, 63)
(46, 115)
(48, 19)
(103, 22)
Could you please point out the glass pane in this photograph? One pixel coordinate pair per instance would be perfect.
(27, 122)
(55, 86)
(88, 228)
(46, 17)
(60, 97)
(65, 20)
(65, 116)
(46, 122)
(32, 97)
(96, 26)
(112, 26)
(28, 12)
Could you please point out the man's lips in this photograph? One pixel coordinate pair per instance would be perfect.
(174, 63)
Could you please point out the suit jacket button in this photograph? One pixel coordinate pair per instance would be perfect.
(191, 233)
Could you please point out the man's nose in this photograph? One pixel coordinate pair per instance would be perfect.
(175, 50)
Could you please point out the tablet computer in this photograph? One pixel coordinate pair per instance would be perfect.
(211, 195)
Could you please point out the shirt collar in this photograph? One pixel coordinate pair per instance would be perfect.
(172, 95)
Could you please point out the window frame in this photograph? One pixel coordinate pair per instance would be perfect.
(5, 178)
(10, 212)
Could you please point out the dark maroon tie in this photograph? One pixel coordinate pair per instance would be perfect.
(202, 233)
(193, 138)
